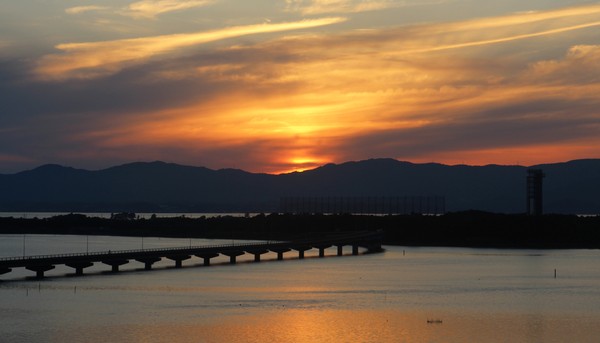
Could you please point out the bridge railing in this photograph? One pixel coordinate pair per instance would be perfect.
(136, 251)
(333, 239)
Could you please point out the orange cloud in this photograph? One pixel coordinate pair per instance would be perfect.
(82, 9)
(506, 39)
(581, 65)
(152, 8)
(340, 6)
(420, 93)
(89, 60)
(324, 118)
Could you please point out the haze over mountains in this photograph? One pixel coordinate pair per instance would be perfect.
(570, 187)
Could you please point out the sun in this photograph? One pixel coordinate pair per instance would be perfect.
(301, 163)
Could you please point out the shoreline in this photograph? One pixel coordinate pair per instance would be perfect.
(460, 229)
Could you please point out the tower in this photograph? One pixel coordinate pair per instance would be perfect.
(535, 205)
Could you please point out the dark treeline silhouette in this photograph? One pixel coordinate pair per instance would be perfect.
(461, 229)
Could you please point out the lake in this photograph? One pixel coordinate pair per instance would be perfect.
(405, 294)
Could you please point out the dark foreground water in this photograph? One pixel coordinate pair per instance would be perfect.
(471, 295)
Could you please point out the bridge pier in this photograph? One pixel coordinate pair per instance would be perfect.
(178, 259)
(257, 253)
(280, 252)
(207, 257)
(148, 261)
(301, 249)
(322, 248)
(374, 247)
(79, 266)
(115, 264)
(40, 270)
(232, 255)
(371, 241)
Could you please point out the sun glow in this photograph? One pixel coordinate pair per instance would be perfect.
(300, 164)
(190, 82)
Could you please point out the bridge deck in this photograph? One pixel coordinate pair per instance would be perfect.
(42, 263)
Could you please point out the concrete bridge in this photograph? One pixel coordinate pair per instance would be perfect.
(79, 261)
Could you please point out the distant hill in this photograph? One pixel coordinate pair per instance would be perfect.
(570, 187)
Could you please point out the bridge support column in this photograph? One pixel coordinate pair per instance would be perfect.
(79, 266)
(232, 255)
(207, 257)
(340, 250)
(148, 261)
(178, 259)
(280, 252)
(354, 249)
(301, 250)
(40, 270)
(115, 264)
(374, 248)
(322, 248)
(257, 253)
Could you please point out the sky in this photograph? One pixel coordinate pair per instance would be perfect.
(274, 86)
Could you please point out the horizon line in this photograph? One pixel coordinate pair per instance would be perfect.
(298, 170)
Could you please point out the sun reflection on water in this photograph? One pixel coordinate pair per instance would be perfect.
(308, 326)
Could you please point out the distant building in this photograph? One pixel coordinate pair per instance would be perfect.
(535, 206)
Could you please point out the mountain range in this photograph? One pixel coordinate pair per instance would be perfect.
(569, 187)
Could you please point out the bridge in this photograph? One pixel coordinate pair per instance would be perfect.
(79, 261)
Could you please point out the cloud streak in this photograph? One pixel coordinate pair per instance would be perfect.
(96, 59)
(152, 8)
(144, 9)
(506, 89)
(83, 9)
(488, 31)
(353, 94)
(506, 39)
(337, 6)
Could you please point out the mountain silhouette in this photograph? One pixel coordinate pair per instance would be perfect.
(570, 187)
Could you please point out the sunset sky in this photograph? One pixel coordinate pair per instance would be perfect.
(282, 85)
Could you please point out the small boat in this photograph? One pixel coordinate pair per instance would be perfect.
(434, 321)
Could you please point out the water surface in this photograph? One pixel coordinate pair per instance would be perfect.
(470, 294)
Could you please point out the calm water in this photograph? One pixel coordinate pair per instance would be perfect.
(479, 295)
